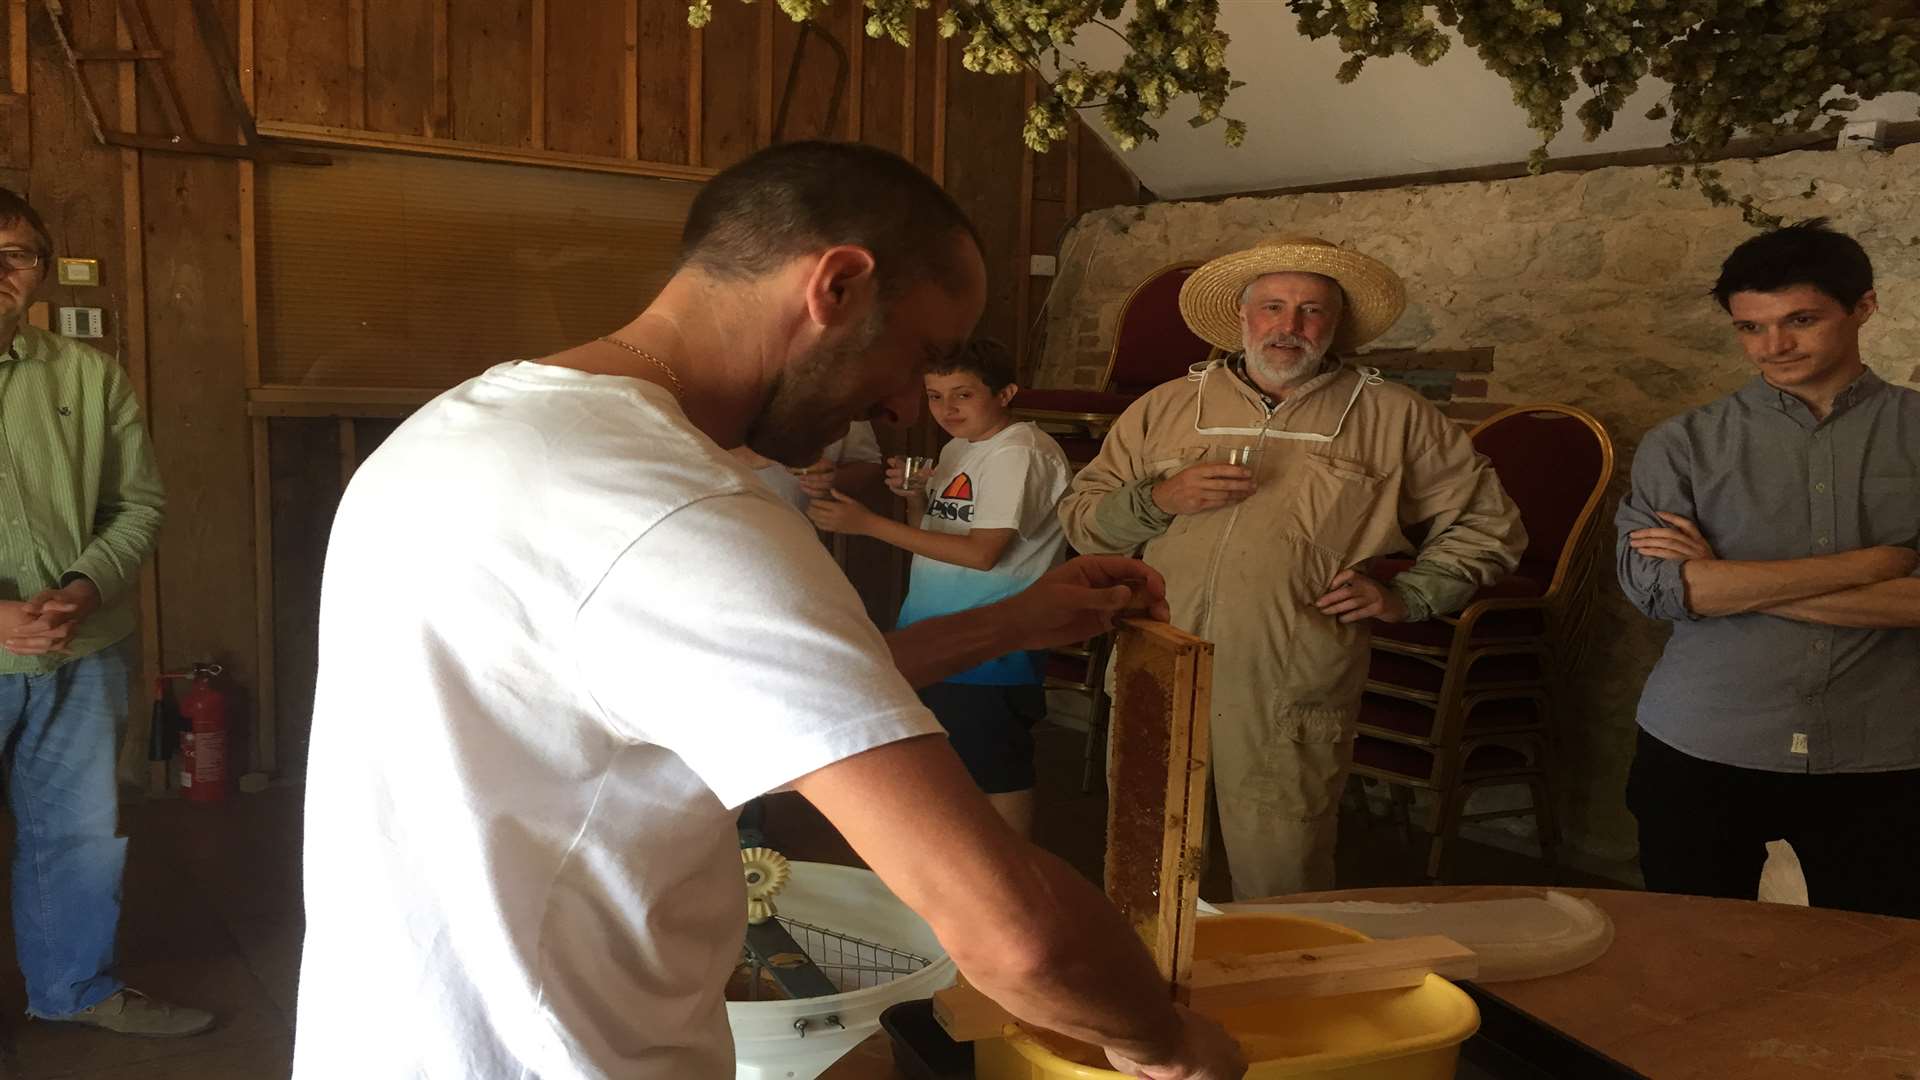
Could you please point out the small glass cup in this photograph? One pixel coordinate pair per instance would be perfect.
(1247, 457)
(914, 474)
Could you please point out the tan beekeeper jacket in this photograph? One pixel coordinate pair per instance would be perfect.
(1350, 462)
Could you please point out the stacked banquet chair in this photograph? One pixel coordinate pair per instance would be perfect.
(1468, 701)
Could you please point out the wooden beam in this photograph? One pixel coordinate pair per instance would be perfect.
(1072, 194)
(249, 284)
(133, 321)
(299, 410)
(317, 402)
(264, 723)
(357, 62)
(105, 55)
(343, 395)
(630, 85)
(17, 61)
(133, 325)
(537, 77)
(440, 124)
(349, 449)
(910, 134)
(1022, 268)
(142, 30)
(1899, 133)
(766, 74)
(168, 144)
(246, 47)
(452, 148)
(696, 92)
(939, 99)
(856, 77)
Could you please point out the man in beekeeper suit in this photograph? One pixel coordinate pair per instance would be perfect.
(1266, 559)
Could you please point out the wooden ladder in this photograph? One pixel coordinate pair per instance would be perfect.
(145, 50)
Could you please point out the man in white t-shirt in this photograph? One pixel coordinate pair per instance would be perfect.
(564, 635)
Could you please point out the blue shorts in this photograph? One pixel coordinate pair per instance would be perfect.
(991, 728)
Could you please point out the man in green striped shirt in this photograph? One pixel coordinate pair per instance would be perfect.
(80, 509)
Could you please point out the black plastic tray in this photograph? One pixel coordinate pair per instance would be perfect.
(1510, 1045)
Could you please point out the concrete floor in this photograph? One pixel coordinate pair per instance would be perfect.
(213, 917)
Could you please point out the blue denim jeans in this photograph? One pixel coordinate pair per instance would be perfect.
(63, 730)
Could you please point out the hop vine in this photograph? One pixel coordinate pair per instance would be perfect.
(1175, 49)
(1764, 67)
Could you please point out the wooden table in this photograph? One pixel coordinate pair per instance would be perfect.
(1698, 989)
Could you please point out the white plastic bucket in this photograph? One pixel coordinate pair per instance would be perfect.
(797, 1040)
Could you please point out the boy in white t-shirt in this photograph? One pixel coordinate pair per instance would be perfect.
(987, 530)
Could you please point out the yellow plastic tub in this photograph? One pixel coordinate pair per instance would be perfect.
(1411, 1034)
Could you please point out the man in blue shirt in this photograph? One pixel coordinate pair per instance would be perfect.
(1777, 529)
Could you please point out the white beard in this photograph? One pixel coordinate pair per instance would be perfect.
(1276, 375)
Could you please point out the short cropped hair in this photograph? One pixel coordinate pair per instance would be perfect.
(794, 198)
(14, 210)
(1805, 253)
(986, 358)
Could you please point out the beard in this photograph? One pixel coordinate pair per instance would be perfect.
(1278, 374)
(806, 407)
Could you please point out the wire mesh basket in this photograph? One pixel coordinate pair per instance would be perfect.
(850, 963)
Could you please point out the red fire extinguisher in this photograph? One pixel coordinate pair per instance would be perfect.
(203, 737)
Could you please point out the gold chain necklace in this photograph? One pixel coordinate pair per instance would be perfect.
(643, 354)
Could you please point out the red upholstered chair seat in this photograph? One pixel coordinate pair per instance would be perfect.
(1151, 345)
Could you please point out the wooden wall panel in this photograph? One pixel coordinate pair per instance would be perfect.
(491, 46)
(197, 401)
(665, 41)
(1104, 181)
(811, 111)
(585, 61)
(399, 65)
(728, 95)
(90, 25)
(304, 74)
(927, 99)
(73, 181)
(306, 490)
(883, 104)
(198, 412)
(982, 160)
(191, 67)
(482, 89)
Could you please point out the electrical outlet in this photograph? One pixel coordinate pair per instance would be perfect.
(1863, 135)
(1042, 266)
(78, 271)
(82, 322)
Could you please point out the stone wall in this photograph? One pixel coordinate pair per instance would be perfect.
(1591, 289)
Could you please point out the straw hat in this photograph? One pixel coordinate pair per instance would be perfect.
(1375, 297)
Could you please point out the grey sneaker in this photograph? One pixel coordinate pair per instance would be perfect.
(130, 1012)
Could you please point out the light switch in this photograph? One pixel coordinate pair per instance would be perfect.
(82, 322)
(78, 271)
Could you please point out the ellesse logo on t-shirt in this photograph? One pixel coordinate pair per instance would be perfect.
(955, 501)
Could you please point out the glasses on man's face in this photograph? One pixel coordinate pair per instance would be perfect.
(19, 258)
